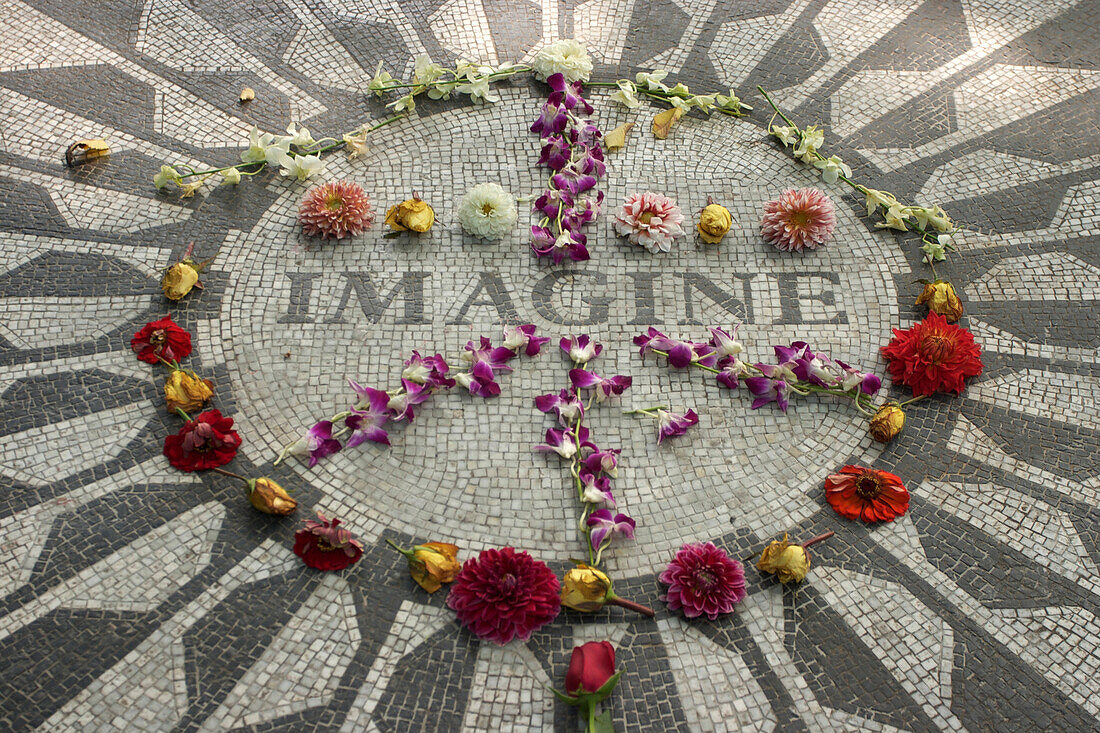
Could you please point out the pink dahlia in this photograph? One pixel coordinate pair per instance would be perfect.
(799, 220)
(503, 594)
(702, 578)
(336, 210)
(651, 220)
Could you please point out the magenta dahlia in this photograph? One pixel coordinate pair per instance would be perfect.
(703, 579)
(651, 220)
(797, 220)
(336, 210)
(503, 594)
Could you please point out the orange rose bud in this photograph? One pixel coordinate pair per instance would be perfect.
(184, 390)
(432, 564)
(270, 498)
(887, 423)
(411, 215)
(942, 300)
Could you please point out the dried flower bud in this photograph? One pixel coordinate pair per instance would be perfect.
(247, 95)
(411, 215)
(788, 562)
(663, 121)
(179, 280)
(941, 299)
(617, 137)
(84, 150)
(887, 423)
(432, 564)
(714, 222)
(585, 589)
(186, 391)
(270, 498)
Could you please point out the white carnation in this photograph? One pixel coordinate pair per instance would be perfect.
(487, 211)
(567, 57)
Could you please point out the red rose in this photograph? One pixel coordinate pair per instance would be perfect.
(161, 339)
(322, 545)
(204, 442)
(591, 665)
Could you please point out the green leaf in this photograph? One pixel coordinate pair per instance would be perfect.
(601, 723)
(567, 699)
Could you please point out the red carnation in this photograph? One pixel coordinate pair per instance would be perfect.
(206, 441)
(322, 545)
(866, 494)
(503, 594)
(933, 356)
(161, 339)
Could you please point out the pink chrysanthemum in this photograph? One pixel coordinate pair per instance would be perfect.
(651, 220)
(336, 210)
(503, 594)
(797, 220)
(703, 579)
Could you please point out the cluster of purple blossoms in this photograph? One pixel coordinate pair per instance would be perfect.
(422, 376)
(571, 149)
(592, 467)
(798, 369)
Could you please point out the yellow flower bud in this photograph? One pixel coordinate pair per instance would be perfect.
(887, 423)
(411, 215)
(179, 280)
(585, 589)
(788, 562)
(714, 222)
(186, 391)
(941, 299)
(270, 498)
(433, 563)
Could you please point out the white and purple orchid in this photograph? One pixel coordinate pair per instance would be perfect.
(316, 443)
(672, 424)
(602, 387)
(566, 404)
(596, 489)
(581, 349)
(603, 527)
(523, 337)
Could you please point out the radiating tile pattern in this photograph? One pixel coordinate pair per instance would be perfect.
(134, 596)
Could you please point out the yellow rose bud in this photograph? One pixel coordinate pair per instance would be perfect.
(585, 589)
(788, 562)
(411, 215)
(941, 299)
(186, 391)
(270, 498)
(887, 423)
(714, 222)
(179, 280)
(433, 563)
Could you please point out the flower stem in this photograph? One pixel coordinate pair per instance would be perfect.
(222, 471)
(918, 398)
(631, 605)
(704, 367)
(776, 107)
(645, 410)
(397, 547)
(819, 538)
(183, 414)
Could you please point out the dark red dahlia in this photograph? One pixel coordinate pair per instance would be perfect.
(866, 494)
(161, 339)
(503, 594)
(206, 441)
(703, 579)
(322, 545)
(933, 356)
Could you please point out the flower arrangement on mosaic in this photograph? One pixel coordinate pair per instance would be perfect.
(422, 376)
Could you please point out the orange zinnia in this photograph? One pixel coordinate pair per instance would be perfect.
(866, 494)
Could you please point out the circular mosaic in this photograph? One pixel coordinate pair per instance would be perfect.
(301, 317)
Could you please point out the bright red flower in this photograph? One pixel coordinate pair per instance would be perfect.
(866, 494)
(503, 594)
(161, 339)
(591, 665)
(322, 545)
(933, 356)
(206, 441)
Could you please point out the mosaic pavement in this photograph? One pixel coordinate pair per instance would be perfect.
(141, 598)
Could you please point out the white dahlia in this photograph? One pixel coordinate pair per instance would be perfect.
(487, 211)
(566, 57)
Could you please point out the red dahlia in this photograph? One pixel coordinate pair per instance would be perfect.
(207, 441)
(933, 356)
(161, 339)
(322, 545)
(336, 210)
(703, 579)
(866, 494)
(503, 594)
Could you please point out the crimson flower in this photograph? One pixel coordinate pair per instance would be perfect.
(866, 494)
(933, 356)
(322, 545)
(502, 595)
(590, 666)
(161, 339)
(703, 579)
(206, 441)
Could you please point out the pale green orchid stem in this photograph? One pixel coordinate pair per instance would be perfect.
(646, 410)
(918, 398)
(183, 414)
(454, 81)
(575, 469)
(665, 96)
